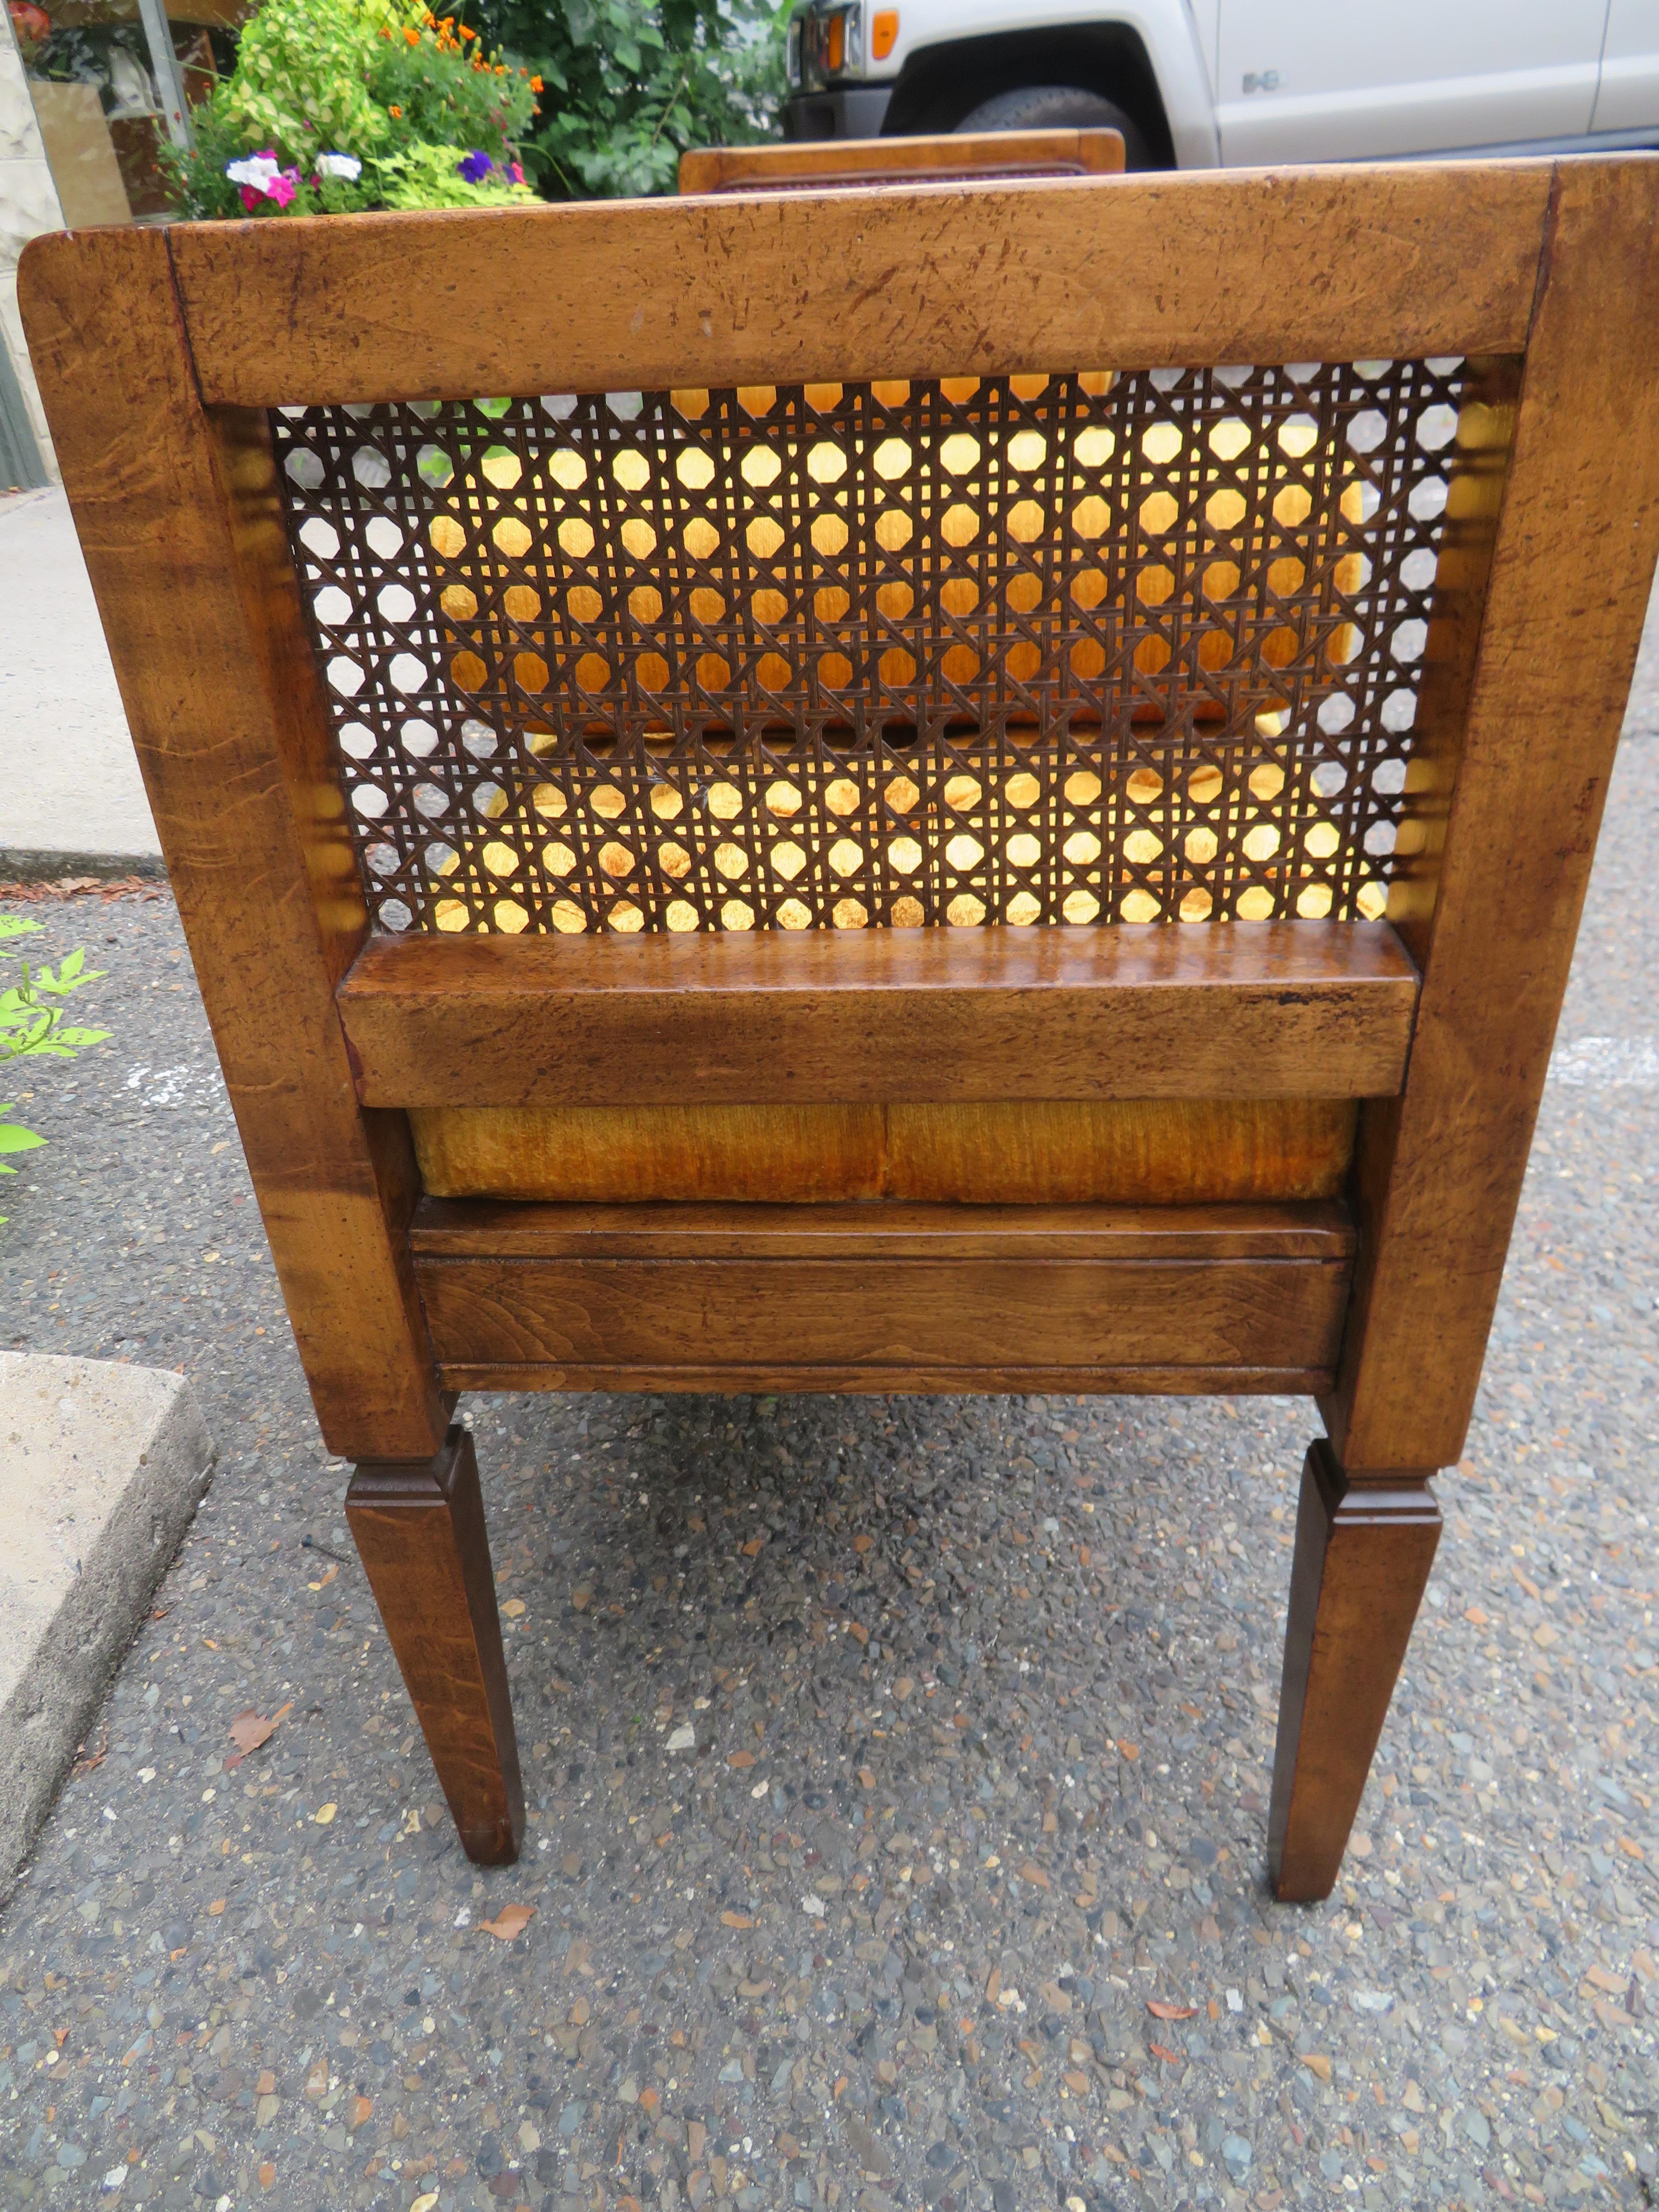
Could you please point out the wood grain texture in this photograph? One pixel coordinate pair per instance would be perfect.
(821, 163)
(1158, 1151)
(883, 1381)
(419, 1527)
(798, 1155)
(936, 280)
(1361, 1565)
(479, 1229)
(906, 1313)
(1440, 1171)
(178, 517)
(1248, 1010)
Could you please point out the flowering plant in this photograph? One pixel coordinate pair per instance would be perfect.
(335, 106)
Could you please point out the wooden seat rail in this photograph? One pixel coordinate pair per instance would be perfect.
(1249, 1009)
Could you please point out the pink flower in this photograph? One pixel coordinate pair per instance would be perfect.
(282, 189)
(251, 199)
(516, 173)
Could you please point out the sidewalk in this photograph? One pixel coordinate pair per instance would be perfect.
(71, 783)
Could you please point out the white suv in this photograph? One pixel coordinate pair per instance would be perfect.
(1194, 84)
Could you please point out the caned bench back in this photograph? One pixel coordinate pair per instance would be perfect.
(853, 647)
(1093, 645)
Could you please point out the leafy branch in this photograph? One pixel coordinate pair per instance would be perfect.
(628, 84)
(32, 1025)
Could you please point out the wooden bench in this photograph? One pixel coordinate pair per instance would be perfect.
(941, 833)
(823, 164)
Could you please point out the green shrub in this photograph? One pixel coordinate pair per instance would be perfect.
(336, 106)
(31, 1028)
(630, 83)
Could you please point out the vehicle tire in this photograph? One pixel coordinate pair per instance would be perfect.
(1060, 107)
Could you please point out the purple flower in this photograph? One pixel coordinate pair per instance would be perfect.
(475, 168)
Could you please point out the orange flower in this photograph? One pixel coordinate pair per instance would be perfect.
(397, 111)
(411, 38)
(465, 33)
(535, 84)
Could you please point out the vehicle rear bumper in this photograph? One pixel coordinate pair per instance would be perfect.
(848, 112)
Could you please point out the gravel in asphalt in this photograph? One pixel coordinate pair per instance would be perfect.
(897, 1768)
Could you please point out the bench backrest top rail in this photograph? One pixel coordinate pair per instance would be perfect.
(927, 280)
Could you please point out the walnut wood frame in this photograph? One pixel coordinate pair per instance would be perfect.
(158, 353)
(821, 163)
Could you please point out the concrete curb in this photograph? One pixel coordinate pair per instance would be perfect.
(101, 1469)
(33, 865)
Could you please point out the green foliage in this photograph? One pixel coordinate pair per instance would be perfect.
(31, 1027)
(15, 1138)
(383, 82)
(629, 84)
(426, 177)
(28, 1024)
(302, 78)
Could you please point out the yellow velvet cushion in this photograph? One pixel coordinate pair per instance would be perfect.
(1158, 1152)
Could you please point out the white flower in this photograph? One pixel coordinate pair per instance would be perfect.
(339, 164)
(258, 170)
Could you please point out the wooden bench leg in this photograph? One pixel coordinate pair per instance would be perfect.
(1364, 1549)
(419, 1526)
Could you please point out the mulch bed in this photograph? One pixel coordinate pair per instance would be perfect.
(68, 887)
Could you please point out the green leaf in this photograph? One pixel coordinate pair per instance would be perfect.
(15, 1139)
(17, 924)
(67, 978)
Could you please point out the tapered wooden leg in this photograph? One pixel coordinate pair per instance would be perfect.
(420, 1528)
(1364, 1549)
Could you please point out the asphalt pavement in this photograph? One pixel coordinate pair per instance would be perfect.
(897, 1768)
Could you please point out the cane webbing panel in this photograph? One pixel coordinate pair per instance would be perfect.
(1133, 647)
